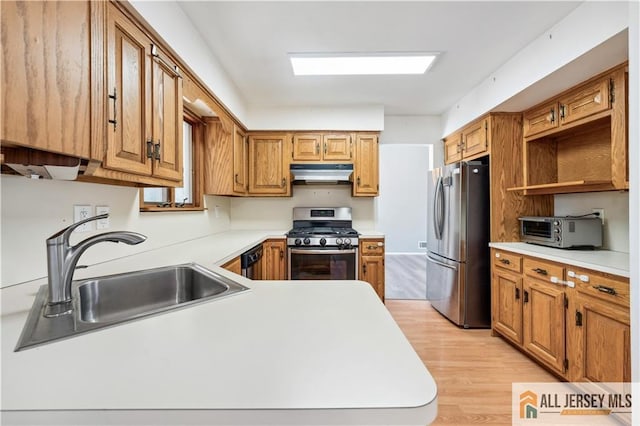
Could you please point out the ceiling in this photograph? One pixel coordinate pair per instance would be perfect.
(252, 41)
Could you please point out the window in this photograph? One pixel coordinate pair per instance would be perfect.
(189, 195)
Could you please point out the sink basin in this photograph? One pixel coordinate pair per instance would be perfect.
(111, 300)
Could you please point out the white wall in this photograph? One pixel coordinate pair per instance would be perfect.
(275, 213)
(33, 210)
(616, 206)
(415, 129)
(363, 117)
(402, 204)
(584, 28)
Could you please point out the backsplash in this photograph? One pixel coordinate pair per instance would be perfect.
(616, 214)
(34, 210)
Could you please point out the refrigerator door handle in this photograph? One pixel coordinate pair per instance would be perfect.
(434, 218)
(439, 205)
(444, 265)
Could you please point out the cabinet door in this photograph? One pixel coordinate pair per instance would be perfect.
(365, 169)
(239, 161)
(167, 118)
(129, 102)
(544, 322)
(475, 139)
(506, 312)
(336, 147)
(541, 119)
(603, 345)
(45, 68)
(452, 149)
(586, 101)
(372, 271)
(307, 147)
(274, 260)
(268, 166)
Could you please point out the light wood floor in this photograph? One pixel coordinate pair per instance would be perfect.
(472, 369)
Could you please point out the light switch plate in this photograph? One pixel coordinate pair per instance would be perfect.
(81, 212)
(102, 223)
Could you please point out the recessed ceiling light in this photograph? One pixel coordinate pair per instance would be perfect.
(360, 64)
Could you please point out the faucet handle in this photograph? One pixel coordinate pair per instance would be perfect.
(63, 235)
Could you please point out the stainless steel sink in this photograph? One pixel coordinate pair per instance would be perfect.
(110, 300)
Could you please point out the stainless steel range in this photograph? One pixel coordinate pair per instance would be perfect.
(322, 244)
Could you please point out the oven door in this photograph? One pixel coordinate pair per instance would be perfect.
(322, 264)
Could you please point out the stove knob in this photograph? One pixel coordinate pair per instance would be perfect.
(298, 241)
(339, 241)
(347, 241)
(307, 241)
(323, 241)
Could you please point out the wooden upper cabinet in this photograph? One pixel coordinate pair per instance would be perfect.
(585, 101)
(307, 147)
(365, 170)
(144, 104)
(268, 164)
(541, 119)
(318, 147)
(452, 148)
(240, 160)
(475, 139)
(337, 147)
(48, 76)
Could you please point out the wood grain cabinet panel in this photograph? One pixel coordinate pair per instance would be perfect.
(48, 84)
(544, 322)
(475, 139)
(240, 161)
(322, 147)
(585, 101)
(540, 119)
(268, 164)
(337, 147)
(274, 260)
(371, 261)
(453, 148)
(506, 305)
(307, 147)
(365, 168)
(234, 265)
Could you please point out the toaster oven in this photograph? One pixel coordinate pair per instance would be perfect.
(562, 231)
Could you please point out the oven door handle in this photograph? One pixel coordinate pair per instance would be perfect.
(320, 251)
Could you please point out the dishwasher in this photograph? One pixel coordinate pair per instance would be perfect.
(251, 263)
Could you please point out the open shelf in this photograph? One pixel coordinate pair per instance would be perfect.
(565, 187)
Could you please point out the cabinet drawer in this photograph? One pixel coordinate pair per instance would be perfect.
(371, 247)
(542, 270)
(506, 260)
(603, 286)
(588, 100)
(540, 119)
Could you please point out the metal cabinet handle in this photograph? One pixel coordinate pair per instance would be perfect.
(364, 268)
(325, 148)
(171, 67)
(236, 178)
(156, 151)
(540, 271)
(149, 149)
(115, 109)
(281, 254)
(562, 111)
(358, 181)
(284, 182)
(517, 293)
(505, 261)
(317, 148)
(526, 296)
(605, 289)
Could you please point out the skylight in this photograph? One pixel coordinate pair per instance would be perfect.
(358, 64)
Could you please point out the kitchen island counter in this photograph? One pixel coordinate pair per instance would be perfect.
(304, 352)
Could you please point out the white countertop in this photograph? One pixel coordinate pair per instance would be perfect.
(611, 262)
(286, 352)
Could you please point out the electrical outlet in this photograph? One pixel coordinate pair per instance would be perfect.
(422, 244)
(102, 223)
(600, 212)
(81, 212)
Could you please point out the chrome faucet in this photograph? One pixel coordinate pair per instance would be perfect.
(62, 259)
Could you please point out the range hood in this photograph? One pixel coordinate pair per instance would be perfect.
(321, 173)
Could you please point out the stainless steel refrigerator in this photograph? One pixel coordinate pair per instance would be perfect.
(458, 268)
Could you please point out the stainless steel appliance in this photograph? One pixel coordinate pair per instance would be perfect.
(321, 173)
(458, 268)
(562, 232)
(251, 263)
(322, 245)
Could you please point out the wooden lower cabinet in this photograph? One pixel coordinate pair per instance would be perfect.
(543, 317)
(576, 322)
(274, 259)
(371, 263)
(234, 265)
